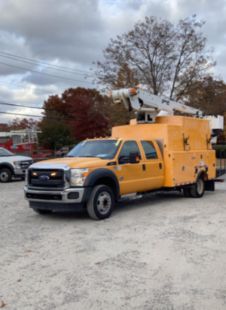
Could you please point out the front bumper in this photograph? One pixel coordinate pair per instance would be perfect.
(19, 172)
(68, 196)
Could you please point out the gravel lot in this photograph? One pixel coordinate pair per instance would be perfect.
(161, 252)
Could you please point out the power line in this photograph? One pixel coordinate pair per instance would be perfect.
(37, 62)
(18, 114)
(44, 73)
(43, 116)
(19, 105)
(32, 115)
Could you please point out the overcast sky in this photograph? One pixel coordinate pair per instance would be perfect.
(63, 38)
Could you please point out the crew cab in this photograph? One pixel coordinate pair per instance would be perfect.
(12, 165)
(173, 153)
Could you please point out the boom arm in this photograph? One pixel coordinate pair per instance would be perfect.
(141, 100)
(149, 106)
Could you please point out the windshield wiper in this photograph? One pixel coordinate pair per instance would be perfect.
(88, 156)
(81, 156)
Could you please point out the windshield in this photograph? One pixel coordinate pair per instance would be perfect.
(4, 152)
(105, 149)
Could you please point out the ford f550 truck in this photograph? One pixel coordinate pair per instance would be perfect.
(152, 153)
(173, 153)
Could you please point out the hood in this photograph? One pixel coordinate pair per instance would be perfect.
(15, 158)
(71, 162)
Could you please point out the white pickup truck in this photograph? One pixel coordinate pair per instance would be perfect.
(12, 165)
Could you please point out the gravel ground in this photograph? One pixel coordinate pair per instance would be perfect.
(161, 252)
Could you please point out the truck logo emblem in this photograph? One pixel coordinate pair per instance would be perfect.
(44, 177)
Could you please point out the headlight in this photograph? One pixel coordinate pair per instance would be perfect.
(78, 176)
(17, 164)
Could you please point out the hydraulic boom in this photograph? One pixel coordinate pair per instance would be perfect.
(148, 106)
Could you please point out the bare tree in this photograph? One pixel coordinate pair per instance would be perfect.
(209, 95)
(165, 57)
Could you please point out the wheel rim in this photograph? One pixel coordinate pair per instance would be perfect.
(4, 176)
(104, 203)
(200, 186)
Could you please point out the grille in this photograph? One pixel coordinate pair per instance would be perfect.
(25, 164)
(53, 178)
(44, 196)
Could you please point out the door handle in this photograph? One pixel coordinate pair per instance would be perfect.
(160, 165)
(144, 167)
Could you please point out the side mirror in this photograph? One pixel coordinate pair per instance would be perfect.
(134, 158)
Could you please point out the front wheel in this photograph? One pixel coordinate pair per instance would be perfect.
(101, 202)
(5, 175)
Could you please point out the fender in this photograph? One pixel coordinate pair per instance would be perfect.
(102, 173)
(7, 165)
(202, 173)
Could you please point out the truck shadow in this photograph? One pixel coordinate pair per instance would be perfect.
(147, 201)
(76, 215)
(161, 199)
(126, 205)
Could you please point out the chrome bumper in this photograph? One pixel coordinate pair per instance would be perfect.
(61, 196)
(19, 171)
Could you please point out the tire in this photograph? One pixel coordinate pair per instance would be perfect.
(198, 189)
(5, 175)
(42, 212)
(187, 192)
(101, 202)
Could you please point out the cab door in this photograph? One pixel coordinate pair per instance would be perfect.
(153, 165)
(130, 175)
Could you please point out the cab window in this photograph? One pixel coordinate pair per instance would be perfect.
(149, 150)
(128, 148)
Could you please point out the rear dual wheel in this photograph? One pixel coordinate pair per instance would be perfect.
(197, 190)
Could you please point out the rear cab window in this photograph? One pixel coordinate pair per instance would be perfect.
(149, 150)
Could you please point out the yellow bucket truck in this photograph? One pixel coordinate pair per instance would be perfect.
(154, 152)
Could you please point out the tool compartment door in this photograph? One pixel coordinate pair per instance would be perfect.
(153, 165)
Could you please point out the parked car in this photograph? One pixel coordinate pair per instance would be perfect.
(12, 165)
